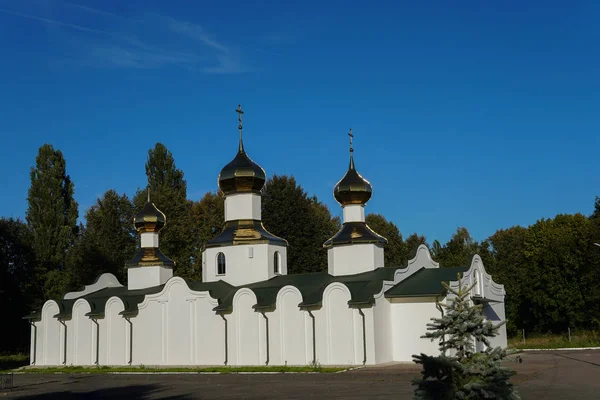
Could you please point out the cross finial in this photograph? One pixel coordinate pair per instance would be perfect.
(240, 112)
(351, 137)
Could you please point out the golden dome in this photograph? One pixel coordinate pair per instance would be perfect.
(353, 188)
(242, 175)
(149, 219)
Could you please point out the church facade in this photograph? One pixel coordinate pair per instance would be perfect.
(248, 310)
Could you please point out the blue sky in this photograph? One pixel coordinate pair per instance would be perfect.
(471, 113)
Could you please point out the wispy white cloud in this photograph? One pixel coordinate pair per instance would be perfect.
(138, 42)
(80, 28)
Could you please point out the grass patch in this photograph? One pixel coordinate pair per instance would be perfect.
(554, 341)
(223, 370)
(12, 361)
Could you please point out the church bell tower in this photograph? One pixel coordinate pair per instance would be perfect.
(355, 248)
(244, 252)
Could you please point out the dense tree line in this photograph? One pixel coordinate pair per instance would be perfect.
(551, 269)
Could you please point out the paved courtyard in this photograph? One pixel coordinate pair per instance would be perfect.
(542, 375)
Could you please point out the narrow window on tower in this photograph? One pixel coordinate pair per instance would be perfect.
(221, 264)
(276, 262)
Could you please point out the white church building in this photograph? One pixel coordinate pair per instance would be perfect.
(247, 310)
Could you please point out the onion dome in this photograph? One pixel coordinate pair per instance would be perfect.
(353, 188)
(149, 219)
(241, 175)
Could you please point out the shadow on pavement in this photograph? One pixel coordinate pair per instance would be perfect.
(136, 392)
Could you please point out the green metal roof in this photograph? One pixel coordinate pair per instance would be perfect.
(355, 232)
(425, 282)
(362, 287)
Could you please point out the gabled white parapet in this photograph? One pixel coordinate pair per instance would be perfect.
(422, 259)
(104, 281)
(488, 293)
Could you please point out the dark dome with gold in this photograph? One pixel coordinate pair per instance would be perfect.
(149, 219)
(353, 188)
(242, 175)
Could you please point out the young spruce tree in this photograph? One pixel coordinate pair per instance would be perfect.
(460, 372)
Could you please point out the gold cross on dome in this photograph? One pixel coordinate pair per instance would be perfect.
(351, 137)
(240, 112)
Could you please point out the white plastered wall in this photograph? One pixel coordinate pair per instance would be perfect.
(148, 276)
(178, 327)
(383, 335)
(83, 334)
(48, 346)
(244, 263)
(290, 334)
(410, 317)
(114, 334)
(354, 258)
(242, 206)
(336, 328)
(354, 213)
(246, 344)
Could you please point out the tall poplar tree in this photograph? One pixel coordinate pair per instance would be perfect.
(168, 191)
(51, 215)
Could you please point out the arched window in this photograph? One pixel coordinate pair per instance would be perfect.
(276, 263)
(221, 264)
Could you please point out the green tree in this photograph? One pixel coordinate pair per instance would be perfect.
(412, 244)
(208, 216)
(51, 214)
(17, 294)
(509, 267)
(458, 250)
(107, 241)
(459, 372)
(395, 252)
(592, 276)
(168, 191)
(306, 223)
(557, 254)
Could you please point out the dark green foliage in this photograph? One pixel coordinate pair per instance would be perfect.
(550, 273)
(17, 294)
(107, 241)
(168, 191)
(51, 214)
(458, 251)
(306, 223)
(396, 252)
(459, 372)
(207, 217)
(412, 244)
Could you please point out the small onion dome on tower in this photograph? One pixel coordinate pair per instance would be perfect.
(149, 219)
(241, 175)
(353, 188)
